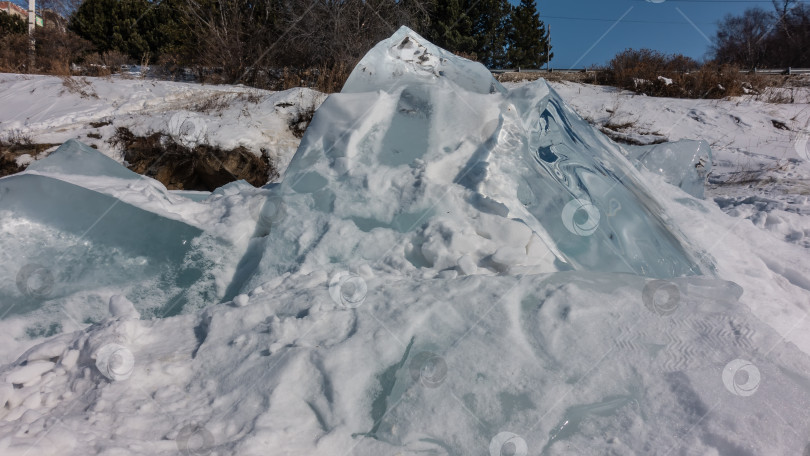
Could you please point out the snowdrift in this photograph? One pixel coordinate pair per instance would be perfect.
(448, 267)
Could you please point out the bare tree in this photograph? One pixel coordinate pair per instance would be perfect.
(63, 8)
(742, 39)
(783, 7)
(230, 35)
(758, 38)
(244, 38)
(790, 41)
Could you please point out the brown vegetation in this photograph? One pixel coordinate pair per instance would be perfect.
(202, 167)
(55, 51)
(13, 146)
(649, 72)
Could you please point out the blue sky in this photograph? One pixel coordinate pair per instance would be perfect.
(662, 26)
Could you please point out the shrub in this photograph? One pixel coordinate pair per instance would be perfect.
(325, 78)
(653, 73)
(57, 49)
(14, 53)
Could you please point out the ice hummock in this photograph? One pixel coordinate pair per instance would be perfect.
(62, 238)
(418, 133)
(75, 158)
(478, 315)
(685, 163)
(406, 58)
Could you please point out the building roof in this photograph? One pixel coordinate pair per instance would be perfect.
(13, 8)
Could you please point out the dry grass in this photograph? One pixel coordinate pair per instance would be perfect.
(79, 86)
(582, 76)
(212, 103)
(750, 174)
(13, 144)
(327, 79)
(16, 137)
(652, 73)
(105, 64)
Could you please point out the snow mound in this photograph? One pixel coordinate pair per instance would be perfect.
(447, 267)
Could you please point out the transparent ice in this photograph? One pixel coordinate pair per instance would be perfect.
(684, 163)
(89, 243)
(418, 116)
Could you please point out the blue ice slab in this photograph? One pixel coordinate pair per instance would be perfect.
(76, 158)
(529, 157)
(685, 163)
(82, 242)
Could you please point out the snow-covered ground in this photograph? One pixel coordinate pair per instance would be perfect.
(421, 281)
(761, 150)
(49, 109)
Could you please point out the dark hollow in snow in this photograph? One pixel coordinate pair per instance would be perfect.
(9, 152)
(202, 167)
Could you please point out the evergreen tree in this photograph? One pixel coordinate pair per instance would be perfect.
(527, 39)
(11, 25)
(133, 27)
(451, 28)
(490, 23)
(474, 28)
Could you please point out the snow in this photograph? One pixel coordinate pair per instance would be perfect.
(666, 81)
(757, 169)
(56, 109)
(449, 266)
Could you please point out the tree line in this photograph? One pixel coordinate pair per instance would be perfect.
(760, 38)
(244, 37)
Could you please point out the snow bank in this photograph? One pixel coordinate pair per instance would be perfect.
(52, 109)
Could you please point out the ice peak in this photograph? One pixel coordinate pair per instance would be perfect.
(428, 148)
(76, 158)
(407, 57)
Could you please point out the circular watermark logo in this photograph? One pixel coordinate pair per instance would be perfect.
(194, 440)
(348, 290)
(741, 377)
(279, 148)
(614, 206)
(273, 211)
(580, 217)
(508, 444)
(661, 297)
(428, 368)
(115, 362)
(35, 281)
(187, 129)
(802, 145)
